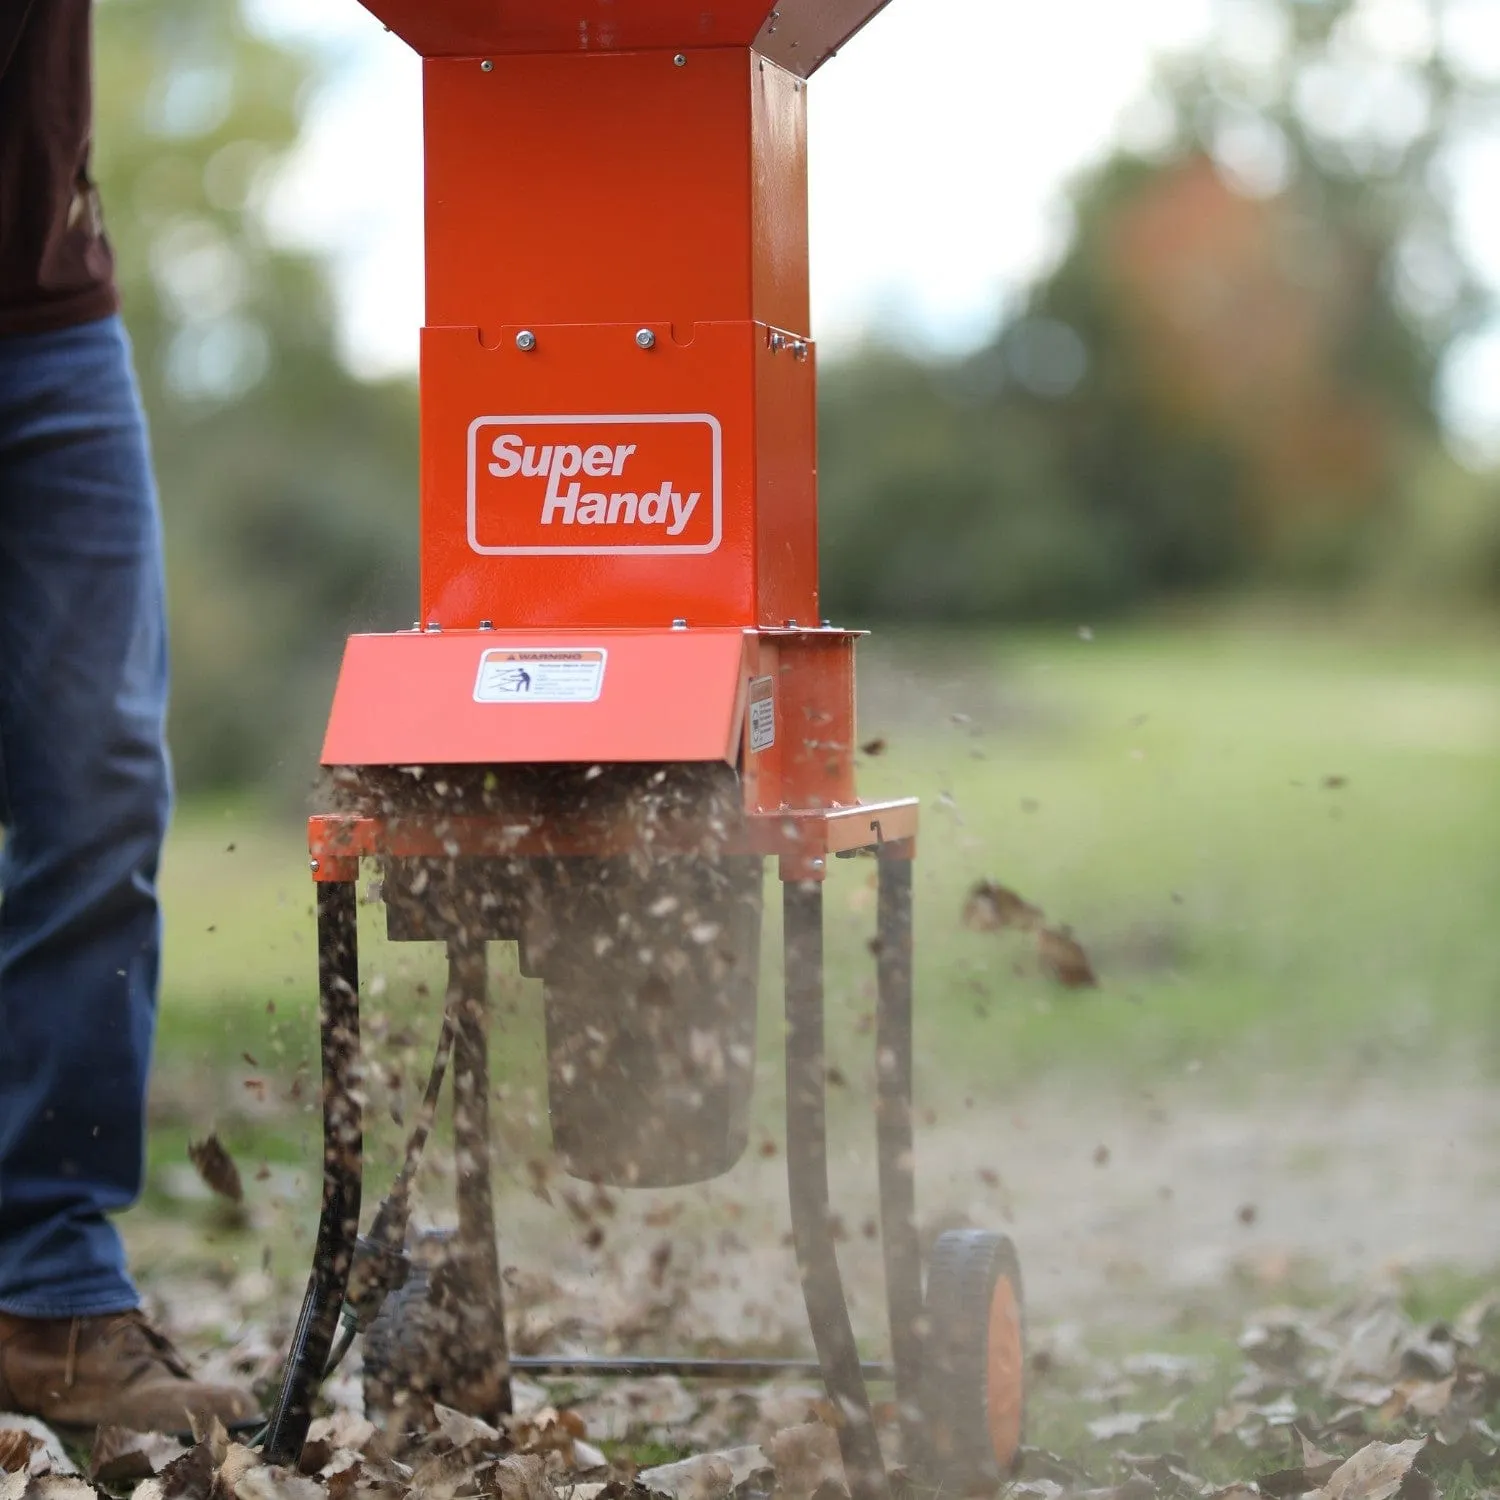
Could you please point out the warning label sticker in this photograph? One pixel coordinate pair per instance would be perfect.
(513, 674)
(762, 713)
(592, 485)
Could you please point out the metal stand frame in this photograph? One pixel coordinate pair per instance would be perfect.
(844, 1374)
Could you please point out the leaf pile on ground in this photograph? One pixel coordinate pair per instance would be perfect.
(1354, 1403)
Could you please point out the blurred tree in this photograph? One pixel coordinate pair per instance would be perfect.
(1231, 369)
(288, 487)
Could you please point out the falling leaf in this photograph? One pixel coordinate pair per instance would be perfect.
(874, 747)
(1335, 783)
(992, 908)
(1064, 960)
(1374, 1473)
(1101, 1156)
(217, 1169)
(1248, 1214)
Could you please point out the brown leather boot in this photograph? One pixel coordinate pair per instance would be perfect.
(86, 1372)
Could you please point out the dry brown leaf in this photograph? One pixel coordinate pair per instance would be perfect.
(237, 1462)
(60, 1487)
(520, 1476)
(874, 747)
(1119, 1424)
(1228, 1418)
(1036, 1489)
(442, 1475)
(265, 1483)
(1064, 960)
(1469, 1325)
(1419, 1398)
(461, 1430)
(1374, 1473)
(119, 1454)
(1299, 1481)
(709, 1476)
(1312, 1455)
(190, 1477)
(217, 1169)
(343, 1429)
(805, 1458)
(992, 908)
(16, 1448)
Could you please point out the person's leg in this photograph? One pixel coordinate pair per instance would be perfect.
(84, 801)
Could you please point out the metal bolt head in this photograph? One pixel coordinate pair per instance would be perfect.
(645, 339)
(486, 66)
(313, 865)
(680, 61)
(679, 624)
(486, 624)
(526, 341)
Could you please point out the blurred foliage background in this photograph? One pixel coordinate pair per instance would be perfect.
(1226, 383)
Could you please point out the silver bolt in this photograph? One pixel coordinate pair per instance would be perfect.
(486, 624)
(526, 341)
(680, 61)
(486, 66)
(679, 624)
(313, 865)
(818, 864)
(645, 339)
(433, 626)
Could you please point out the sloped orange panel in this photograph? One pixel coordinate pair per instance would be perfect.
(802, 35)
(799, 34)
(531, 697)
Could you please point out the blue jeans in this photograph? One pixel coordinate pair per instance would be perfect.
(85, 793)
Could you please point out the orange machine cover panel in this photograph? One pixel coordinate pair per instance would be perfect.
(514, 697)
(801, 35)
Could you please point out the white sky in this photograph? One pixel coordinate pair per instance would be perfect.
(941, 139)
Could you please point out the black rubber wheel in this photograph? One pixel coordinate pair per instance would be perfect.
(973, 1385)
(421, 1348)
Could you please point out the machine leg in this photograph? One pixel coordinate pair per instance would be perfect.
(807, 1173)
(894, 1139)
(489, 1396)
(338, 1222)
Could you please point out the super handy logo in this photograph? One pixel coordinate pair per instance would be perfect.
(588, 485)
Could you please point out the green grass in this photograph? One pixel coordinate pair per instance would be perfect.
(1168, 795)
